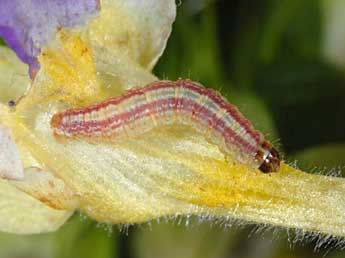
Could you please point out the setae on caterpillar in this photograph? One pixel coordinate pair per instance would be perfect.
(164, 103)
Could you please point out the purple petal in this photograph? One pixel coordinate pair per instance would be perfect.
(27, 25)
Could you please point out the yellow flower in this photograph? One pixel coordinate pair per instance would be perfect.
(163, 173)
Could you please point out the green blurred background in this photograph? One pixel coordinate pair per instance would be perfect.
(282, 63)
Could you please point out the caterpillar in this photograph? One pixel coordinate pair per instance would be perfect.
(165, 103)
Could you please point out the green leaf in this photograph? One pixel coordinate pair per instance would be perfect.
(306, 99)
(77, 238)
(192, 50)
(38, 246)
(328, 155)
(84, 238)
(293, 26)
(175, 240)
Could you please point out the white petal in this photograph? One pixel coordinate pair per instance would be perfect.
(47, 188)
(135, 28)
(22, 214)
(10, 164)
(14, 78)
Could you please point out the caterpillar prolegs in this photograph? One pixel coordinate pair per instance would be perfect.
(164, 103)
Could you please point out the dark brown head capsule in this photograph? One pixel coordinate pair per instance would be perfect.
(271, 163)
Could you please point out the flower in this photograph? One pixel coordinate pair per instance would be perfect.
(164, 173)
(22, 28)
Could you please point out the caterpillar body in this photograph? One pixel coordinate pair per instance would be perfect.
(164, 103)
